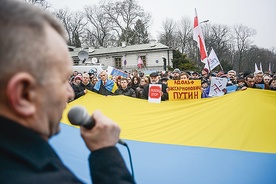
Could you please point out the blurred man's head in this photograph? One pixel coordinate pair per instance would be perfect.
(176, 74)
(124, 83)
(231, 74)
(195, 75)
(85, 78)
(154, 78)
(258, 76)
(267, 79)
(34, 76)
(103, 76)
(250, 81)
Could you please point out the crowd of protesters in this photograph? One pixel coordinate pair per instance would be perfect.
(136, 84)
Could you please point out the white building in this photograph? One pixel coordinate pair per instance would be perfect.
(126, 57)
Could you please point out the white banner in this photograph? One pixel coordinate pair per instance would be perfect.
(213, 59)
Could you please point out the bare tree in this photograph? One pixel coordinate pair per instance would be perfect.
(99, 26)
(123, 15)
(168, 34)
(183, 33)
(64, 16)
(220, 40)
(259, 56)
(74, 25)
(220, 36)
(242, 36)
(41, 3)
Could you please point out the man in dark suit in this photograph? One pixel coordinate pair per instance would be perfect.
(35, 66)
(154, 79)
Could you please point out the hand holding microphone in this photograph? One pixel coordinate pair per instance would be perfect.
(97, 131)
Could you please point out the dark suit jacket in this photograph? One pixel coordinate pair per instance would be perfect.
(27, 158)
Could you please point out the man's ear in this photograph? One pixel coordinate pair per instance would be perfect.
(21, 93)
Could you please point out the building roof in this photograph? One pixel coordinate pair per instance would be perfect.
(128, 48)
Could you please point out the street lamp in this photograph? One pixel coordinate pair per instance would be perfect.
(205, 21)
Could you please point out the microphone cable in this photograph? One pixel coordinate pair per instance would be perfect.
(130, 161)
(79, 116)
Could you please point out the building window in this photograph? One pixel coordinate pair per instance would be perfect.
(144, 60)
(118, 63)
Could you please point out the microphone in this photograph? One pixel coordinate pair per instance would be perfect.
(79, 116)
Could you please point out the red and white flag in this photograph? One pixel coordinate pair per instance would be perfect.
(140, 62)
(198, 37)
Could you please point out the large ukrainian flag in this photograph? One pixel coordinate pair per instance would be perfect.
(228, 139)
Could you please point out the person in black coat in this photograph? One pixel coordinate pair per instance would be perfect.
(33, 95)
(154, 79)
(125, 90)
(81, 88)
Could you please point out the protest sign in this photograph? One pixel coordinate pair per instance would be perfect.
(155, 93)
(217, 86)
(184, 89)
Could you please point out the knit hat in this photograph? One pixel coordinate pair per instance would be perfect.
(78, 77)
(176, 70)
(206, 70)
(154, 74)
(164, 79)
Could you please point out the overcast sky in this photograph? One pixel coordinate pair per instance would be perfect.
(257, 14)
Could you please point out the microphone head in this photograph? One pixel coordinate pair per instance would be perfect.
(78, 115)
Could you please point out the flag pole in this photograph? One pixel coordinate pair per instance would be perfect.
(221, 67)
(199, 38)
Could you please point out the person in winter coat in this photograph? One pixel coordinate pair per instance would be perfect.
(125, 90)
(83, 87)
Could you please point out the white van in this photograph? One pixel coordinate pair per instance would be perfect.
(96, 68)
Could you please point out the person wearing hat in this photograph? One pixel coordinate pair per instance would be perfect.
(205, 75)
(195, 75)
(204, 72)
(91, 73)
(164, 80)
(75, 82)
(176, 74)
(154, 79)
